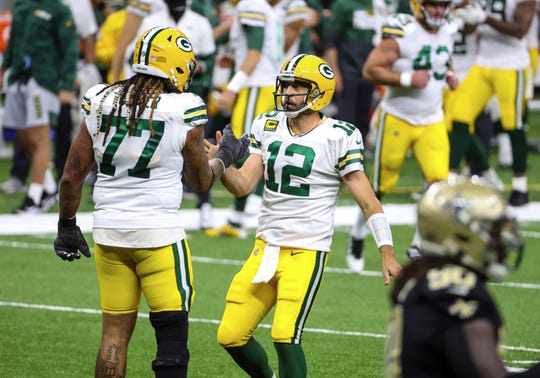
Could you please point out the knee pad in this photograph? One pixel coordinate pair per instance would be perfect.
(171, 330)
(228, 336)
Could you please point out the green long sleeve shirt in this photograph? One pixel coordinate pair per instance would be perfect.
(43, 42)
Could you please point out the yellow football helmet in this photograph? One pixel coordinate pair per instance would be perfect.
(468, 220)
(417, 7)
(309, 71)
(165, 52)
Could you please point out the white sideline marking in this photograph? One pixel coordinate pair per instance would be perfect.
(215, 321)
(398, 214)
(211, 260)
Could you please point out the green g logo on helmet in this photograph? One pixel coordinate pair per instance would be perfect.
(184, 44)
(326, 71)
(165, 52)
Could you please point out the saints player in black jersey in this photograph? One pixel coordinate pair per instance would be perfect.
(444, 322)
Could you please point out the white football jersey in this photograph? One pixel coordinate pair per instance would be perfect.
(292, 11)
(258, 13)
(139, 176)
(498, 50)
(464, 55)
(419, 50)
(303, 176)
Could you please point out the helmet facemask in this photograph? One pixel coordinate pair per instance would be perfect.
(468, 221)
(419, 9)
(505, 249)
(282, 100)
(176, 74)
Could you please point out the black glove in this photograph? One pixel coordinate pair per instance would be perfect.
(70, 240)
(232, 149)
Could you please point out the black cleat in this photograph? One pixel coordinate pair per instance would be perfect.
(355, 258)
(518, 198)
(48, 200)
(28, 207)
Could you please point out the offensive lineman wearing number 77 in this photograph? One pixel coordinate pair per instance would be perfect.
(144, 133)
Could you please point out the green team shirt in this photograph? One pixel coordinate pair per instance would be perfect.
(359, 29)
(43, 36)
(351, 31)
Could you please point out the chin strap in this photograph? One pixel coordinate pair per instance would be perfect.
(295, 113)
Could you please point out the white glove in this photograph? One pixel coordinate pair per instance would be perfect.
(472, 14)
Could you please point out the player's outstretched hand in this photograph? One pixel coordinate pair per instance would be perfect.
(231, 148)
(472, 14)
(70, 242)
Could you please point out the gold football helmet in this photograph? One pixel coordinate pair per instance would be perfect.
(417, 7)
(165, 52)
(311, 72)
(469, 221)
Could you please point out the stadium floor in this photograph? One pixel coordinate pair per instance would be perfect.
(402, 214)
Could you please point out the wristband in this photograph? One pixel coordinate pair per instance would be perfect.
(221, 161)
(237, 82)
(405, 79)
(380, 229)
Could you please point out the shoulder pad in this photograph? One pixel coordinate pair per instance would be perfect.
(195, 112)
(271, 118)
(343, 129)
(86, 101)
(452, 25)
(297, 8)
(251, 13)
(396, 25)
(141, 8)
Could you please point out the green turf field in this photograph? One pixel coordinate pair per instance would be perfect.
(50, 323)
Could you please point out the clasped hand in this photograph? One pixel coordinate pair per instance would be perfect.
(228, 148)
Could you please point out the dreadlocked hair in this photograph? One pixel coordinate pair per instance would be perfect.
(136, 94)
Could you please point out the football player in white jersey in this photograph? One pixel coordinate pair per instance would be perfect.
(303, 158)
(501, 69)
(178, 14)
(144, 133)
(414, 61)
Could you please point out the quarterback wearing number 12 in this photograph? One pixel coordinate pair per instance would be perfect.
(303, 158)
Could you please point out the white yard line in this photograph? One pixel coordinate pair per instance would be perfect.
(215, 321)
(398, 214)
(212, 260)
